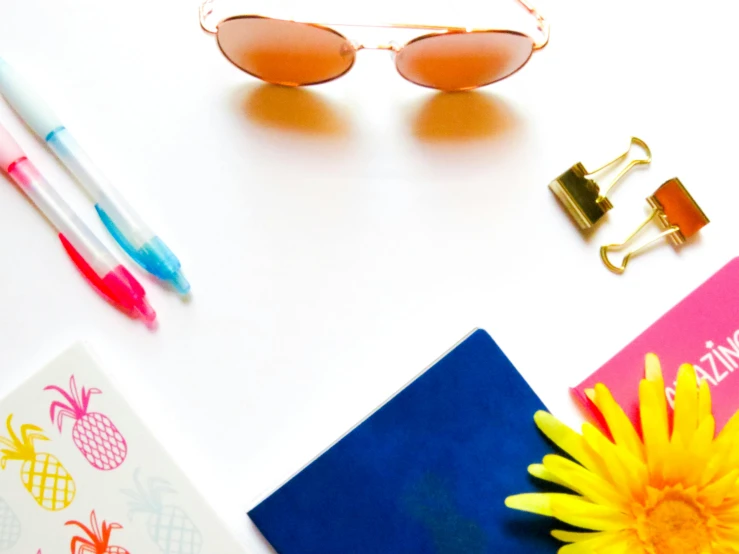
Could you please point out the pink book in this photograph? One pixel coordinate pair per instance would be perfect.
(702, 330)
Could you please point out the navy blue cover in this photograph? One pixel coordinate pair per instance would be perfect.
(425, 474)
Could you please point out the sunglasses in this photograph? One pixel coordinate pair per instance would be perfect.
(293, 53)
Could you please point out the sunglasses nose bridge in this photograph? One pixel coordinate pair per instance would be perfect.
(391, 46)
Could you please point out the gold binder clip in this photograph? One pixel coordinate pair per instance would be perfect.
(581, 195)
(676, 212)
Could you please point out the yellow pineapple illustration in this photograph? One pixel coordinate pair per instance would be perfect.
(43, 475)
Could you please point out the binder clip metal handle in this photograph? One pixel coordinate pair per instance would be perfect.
(675, 211)
(619, 269)
(581, 196)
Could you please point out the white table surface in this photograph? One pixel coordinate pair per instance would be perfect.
(339, 239)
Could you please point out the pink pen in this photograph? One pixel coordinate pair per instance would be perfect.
(92, 258)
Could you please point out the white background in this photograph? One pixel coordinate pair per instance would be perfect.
(339, 239)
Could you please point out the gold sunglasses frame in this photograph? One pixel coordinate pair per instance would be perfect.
(207, 9)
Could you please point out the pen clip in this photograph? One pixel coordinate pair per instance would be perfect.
(97, 283)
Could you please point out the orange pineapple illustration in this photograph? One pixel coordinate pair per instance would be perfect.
(43, 475)
(98, 538)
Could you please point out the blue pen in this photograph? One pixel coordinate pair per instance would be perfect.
(127, 228)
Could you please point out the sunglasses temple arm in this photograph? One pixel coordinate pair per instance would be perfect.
(208, 7)
(543, 24)
(206, 10)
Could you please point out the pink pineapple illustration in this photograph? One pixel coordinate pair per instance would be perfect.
(98, 538)
(94, 434)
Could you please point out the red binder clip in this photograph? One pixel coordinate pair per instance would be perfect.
(675, 211)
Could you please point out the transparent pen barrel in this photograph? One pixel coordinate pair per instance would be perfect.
(95, 183)
(30, 181)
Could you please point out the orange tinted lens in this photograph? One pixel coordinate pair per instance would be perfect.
(462, 61)
(285, 52)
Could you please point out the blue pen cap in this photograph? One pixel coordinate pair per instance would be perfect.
(154, 255)
(161, 262)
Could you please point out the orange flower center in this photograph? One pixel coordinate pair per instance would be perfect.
(676, 525)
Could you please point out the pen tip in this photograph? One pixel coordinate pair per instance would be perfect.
(146, 312)
(181, 284)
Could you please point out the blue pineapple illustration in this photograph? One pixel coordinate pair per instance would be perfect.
(10, 527)
(169, 526)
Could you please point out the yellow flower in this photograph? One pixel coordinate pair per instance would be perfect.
(668, 493)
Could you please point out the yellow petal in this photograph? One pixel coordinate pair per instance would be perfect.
(717, 464)
(586, 483)
(699, 451)
(654, 416)
(729, 508)
(725, 444)
(600, 444)
(655, 426)
(570, 536)
(715, 493)
(728, 539)
(653, 369)
(677, 461)
(532, 502)
(724, 455)
(620, 542)
(540, 472)
(568, 440)
(686, 404)
(576, 511)
(704, 401)
(728, 518)
(631, 544)
(627, 473)
(622, 430)
(703, 437)
(730, 430)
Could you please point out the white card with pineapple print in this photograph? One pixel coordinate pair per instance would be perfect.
(80, 473)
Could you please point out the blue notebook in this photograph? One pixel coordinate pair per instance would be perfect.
(426, 473)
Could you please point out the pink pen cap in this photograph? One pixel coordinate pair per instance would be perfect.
(92, 258)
